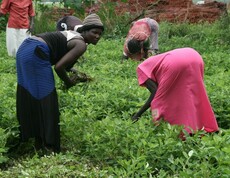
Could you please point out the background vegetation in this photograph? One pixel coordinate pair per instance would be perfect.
(98, 138)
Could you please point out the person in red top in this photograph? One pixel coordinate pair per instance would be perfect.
(20, 22)
(142, 39)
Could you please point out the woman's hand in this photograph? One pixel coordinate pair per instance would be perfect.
(73, 70)
(73, 81)
(135, 117)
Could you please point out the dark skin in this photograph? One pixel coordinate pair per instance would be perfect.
(152, 87)
(145, 53)
(31, 28)
(76, 49)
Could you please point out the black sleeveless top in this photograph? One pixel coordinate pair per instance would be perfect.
(57, 44)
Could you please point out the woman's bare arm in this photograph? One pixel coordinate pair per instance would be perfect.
(152, 87)
(76, 49)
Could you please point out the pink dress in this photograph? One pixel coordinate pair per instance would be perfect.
(181, 97)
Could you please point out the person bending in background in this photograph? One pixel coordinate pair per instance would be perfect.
(20, 22)
(177, 91)
(37, 102)
(142, 39)
(68, 23)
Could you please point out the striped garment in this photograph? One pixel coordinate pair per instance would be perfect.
(37, 101)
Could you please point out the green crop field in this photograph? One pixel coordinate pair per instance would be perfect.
(98, 138)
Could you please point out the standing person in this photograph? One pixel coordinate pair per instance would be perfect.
(142, 39)
(178, 94)
(37, 101)
(20, 22)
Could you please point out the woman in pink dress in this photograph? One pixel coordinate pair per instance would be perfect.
(178, 94)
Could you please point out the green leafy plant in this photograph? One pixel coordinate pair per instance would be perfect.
(98, 138)
(3, 148)
(3, 22)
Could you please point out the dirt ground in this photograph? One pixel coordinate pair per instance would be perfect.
(173, 10)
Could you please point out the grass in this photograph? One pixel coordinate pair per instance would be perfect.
(98, 138)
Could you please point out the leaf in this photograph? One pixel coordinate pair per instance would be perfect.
(190, 153)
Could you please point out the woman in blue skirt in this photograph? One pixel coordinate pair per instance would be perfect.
(37, 101)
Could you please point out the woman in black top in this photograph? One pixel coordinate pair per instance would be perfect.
(37, 101)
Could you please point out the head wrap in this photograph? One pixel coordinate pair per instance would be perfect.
(68, 23)
(91, 21)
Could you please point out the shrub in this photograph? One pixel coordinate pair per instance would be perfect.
(3, 148)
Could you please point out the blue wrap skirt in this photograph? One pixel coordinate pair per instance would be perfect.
(37, 102)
